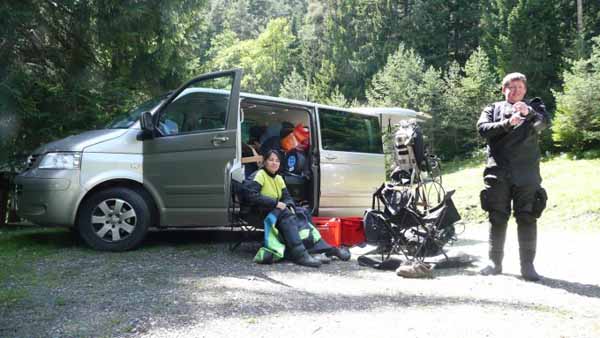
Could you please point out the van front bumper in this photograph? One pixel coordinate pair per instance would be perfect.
(47, 196)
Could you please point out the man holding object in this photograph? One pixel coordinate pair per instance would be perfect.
(512, 174)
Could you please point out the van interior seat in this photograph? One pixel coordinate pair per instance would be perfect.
(296, 174)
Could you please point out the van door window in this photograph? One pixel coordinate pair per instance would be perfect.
(344, 131)
(201, 107)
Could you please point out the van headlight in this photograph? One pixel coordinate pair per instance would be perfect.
(61, 161)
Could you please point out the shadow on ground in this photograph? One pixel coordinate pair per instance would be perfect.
(185, 237)
(586, 290)
(67, 238)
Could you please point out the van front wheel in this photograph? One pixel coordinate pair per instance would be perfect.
(115, 219)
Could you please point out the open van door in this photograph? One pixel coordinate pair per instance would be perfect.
(186, 162)
(351, 161)
(389, 117)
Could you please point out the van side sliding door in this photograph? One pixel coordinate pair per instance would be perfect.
(187, 163)
(352, 161)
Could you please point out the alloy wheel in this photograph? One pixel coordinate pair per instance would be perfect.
(113, 220)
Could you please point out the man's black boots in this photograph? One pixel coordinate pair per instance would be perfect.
(496, 251)
(527, 269)
(527, 231)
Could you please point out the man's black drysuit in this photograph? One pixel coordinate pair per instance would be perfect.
(512, 174)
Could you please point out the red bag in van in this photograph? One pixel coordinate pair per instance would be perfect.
(301, 133)
(303, 136)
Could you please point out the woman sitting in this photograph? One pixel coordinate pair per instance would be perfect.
(266, 191)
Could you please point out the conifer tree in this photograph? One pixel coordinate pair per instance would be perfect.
(577, 122)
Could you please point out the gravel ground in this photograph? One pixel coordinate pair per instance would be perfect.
(188, 284)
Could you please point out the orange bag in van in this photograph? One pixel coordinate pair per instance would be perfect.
(289, 143)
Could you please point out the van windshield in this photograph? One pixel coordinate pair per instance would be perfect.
(126, 120)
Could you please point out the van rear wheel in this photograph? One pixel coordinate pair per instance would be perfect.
(115, 219)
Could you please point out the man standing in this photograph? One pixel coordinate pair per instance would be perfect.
(512, 173)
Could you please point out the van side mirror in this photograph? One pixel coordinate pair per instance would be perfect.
(146, 121)
(147, 125)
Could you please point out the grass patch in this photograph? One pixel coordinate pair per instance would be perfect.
(9, 296)
(573, 188)
(474, 161)
(60, 301)
(20, 249)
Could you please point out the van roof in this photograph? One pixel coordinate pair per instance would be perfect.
(381, 112)
(296, 102)
(390, 116)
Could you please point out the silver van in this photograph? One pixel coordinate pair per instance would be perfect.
(171, 162)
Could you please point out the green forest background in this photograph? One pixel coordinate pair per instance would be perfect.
(71, 65)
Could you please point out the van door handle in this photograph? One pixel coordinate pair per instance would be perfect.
(219, 139)
(330, 157)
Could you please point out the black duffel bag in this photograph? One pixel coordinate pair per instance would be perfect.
(376, 230)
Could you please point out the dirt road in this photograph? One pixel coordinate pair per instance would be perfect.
(188, 284)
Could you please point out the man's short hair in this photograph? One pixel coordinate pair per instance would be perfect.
(513, 77)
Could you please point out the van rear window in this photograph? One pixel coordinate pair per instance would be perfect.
(344, 131)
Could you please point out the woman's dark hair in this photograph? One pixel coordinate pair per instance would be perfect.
(267, 154)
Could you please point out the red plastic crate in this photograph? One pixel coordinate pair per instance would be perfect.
(352, 230)
(330, 229)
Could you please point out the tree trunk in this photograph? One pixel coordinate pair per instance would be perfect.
(579, 17)
(3, 199)
(580, 37)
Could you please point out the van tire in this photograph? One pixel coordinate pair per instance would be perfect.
(115, 219)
